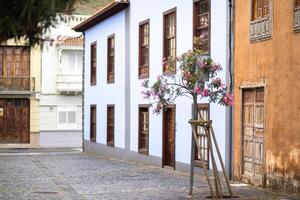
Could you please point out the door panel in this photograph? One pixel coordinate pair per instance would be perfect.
(169, 137)
(202, 112)
(14, 121)
(253, 135)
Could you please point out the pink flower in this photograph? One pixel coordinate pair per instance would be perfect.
(158, 77)
(197, 90)
(201, 64)
(205, 92)
(186, 75)
(228, 99)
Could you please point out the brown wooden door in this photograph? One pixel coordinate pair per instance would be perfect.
(253, 136)
(110, 125)
(14, 121)
(169, 137)
(202, 112)
(93, 123)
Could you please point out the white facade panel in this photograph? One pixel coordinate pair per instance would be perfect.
(103, 93)
(61, 71)
(141, 10)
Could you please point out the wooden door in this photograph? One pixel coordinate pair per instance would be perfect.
(202, 112)
(93, 123)
(110, 125)
(253, 136)
(169, 137)
(14, 121)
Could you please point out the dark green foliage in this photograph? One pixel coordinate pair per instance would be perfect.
(29, 18)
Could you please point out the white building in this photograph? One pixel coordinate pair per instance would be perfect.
(61, 85)
(140, 45)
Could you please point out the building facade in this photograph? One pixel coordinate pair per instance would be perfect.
(61, 91)
(118, 122)
(19, 95)
(267, 112)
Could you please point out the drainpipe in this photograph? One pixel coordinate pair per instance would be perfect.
(230, 111)
(82, 96)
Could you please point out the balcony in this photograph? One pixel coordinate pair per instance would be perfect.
(69, 84)
(260, 29)
(297, 19)
(17, 85)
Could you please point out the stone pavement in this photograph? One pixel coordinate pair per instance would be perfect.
(75, 175)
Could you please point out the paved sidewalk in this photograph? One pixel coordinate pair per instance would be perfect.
(74, 175)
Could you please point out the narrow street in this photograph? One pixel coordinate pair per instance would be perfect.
(63, 174)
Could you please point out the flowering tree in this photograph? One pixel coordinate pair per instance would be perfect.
(196, 77)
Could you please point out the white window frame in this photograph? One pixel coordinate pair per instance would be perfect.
(66, 125)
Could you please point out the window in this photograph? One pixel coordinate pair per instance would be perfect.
(110, 125)
(297, 16)
(202, 24)
(261, 20)
(110, 59)
(260, 9)
(75, 62)
(67, 117)
(144, 49)
(93, 63)
(93, 123)
(169, 50)
(144, 129)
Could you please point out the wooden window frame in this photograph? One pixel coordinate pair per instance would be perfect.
(16, 77)
(110, 142)
(141, 25)
(140, 149)
(93, 139)
(258, 34)
(111, 59)
(253, 10)
(165, 14)
(296, 4)
(195, 28)
(296, 15)
(93, 62)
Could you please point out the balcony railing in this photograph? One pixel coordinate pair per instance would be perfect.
(69, 83)
(17, 84)
(260, 29)
(297, 19)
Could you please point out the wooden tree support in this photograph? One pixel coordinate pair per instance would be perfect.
(215, 187)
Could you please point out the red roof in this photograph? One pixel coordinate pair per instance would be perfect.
(71, 41)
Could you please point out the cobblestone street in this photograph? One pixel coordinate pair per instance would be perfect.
(75, 175)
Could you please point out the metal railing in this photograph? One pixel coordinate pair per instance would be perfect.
(69, 82)
(260, 29)
(21, 83)
(297, 19)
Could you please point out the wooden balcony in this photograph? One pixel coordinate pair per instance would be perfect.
(260, 29)
(69, 84)
(297, 19)
(16, 84)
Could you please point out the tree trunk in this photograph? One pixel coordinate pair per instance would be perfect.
(194, 117)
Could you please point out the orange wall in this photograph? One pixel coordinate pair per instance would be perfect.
(277, 62)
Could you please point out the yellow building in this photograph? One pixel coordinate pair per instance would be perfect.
(267, 92)
(20, 68)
